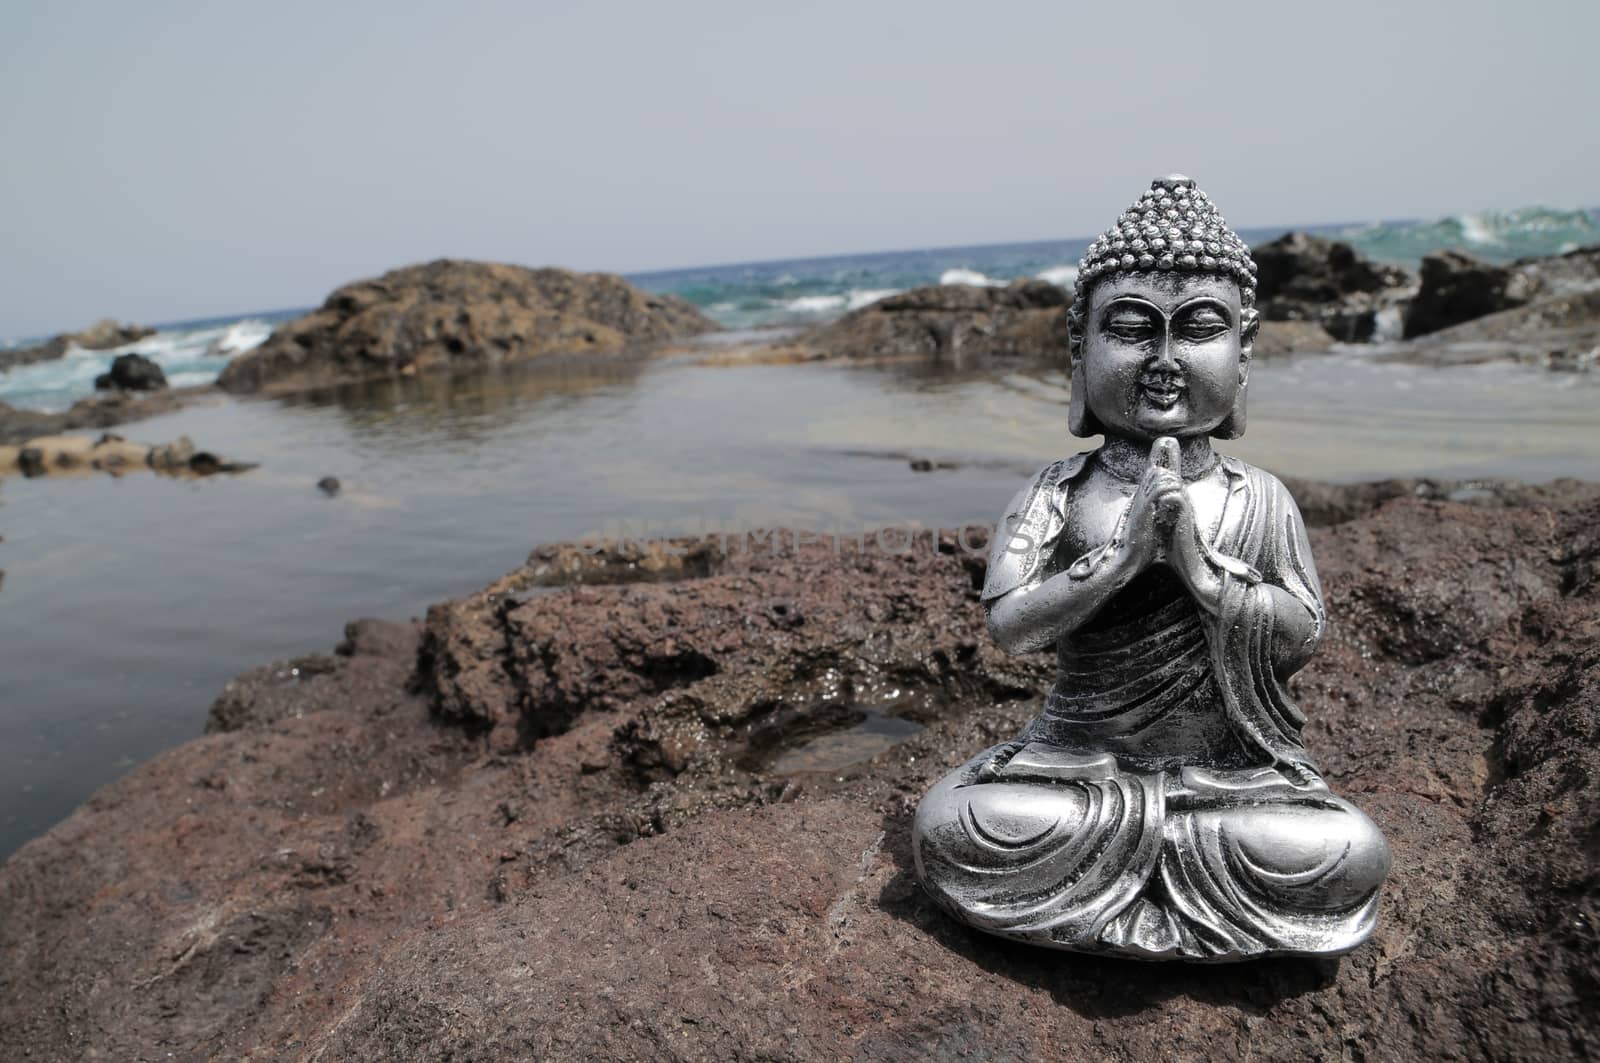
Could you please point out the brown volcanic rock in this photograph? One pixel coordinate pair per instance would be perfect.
(454, 316)
(580, 830)
(954, 324)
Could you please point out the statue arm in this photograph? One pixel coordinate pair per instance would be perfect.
(1296, 593)
(1036, 615)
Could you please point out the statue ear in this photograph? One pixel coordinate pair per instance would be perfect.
(1080, 422)
(1233, 426)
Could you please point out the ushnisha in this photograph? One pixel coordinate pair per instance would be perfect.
(1162, 805)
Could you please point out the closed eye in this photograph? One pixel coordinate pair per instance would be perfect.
(1130, 327)
(1201, 324)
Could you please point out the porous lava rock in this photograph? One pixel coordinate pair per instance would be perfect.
(457, 316)
(566, 823)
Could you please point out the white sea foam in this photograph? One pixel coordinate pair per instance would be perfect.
(814, 304)
(1477, 229)
(239, 337)
(1061, 276)
(860, 297)
(961, 275)
(187, 355)
(1388, 325)
(854, 299)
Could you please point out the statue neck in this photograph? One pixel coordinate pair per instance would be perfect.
(1128, 459)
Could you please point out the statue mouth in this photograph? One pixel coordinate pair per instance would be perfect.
(1161, 389)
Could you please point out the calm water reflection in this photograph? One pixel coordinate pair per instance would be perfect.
(128, 603)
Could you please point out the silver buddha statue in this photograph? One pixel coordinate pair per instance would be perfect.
(1161, 806)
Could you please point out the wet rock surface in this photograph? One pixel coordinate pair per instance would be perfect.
(456, 316)
(953, 324)
(572, 824)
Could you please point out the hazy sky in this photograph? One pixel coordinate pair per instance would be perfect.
(173, 160)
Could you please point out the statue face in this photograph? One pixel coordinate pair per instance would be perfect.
(1164, 354)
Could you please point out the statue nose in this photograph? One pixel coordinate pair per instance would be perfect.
(1162, 358)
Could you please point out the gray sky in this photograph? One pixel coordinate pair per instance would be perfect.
(173, 160)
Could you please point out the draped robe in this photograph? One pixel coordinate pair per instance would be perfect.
(1162, 804)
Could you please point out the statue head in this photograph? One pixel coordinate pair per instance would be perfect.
(1162, 322)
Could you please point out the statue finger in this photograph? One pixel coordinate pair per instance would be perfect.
(1164, 454)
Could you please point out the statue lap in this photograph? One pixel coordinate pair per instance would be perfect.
(1190, 864)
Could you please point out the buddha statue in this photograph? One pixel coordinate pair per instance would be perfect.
(1161, 805)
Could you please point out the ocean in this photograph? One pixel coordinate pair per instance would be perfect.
(814, 290)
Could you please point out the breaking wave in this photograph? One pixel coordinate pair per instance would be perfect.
(1495, 235)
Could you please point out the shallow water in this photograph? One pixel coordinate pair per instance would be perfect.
(128, 603)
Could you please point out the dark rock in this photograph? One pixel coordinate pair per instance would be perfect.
(609, 862)
(1301, 277)
(954, 324)
(456, 316)
(205, 463)
(101, 336)
(329, 485)
(132, 372)
(1457, 287)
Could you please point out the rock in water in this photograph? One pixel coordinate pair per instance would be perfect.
(1457, 287)
(101, 336)
(453, 316)
(954, 324)
(132, 372)
(1301, 277)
